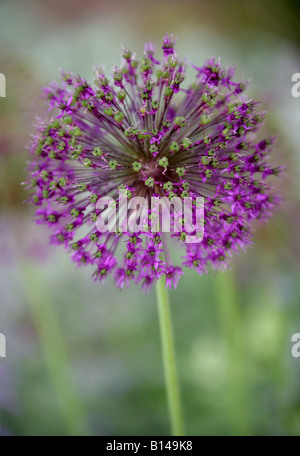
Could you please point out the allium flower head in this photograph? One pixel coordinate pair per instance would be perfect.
(140, 133)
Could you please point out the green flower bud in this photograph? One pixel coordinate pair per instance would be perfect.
(53, 185)
(168, 186)
(228, 185)
(51, 218)
(186, 142)
(204, 119)
(168, 92)
(76, 131)
(61, 145)
(163, 162)
(109, 96)
(182, 236)
(74, 212)
(179, 78)
(149, 182)
(93, 198)
(142, 135)
(119, 116)
(184, 194)
(79, 149)
(126, 54)
(174, 147)
(117, 75)
(166, 123)
(62, 181)
(87, 163)
(205, 160)
(136, 166)
(82, 187)
(145, 64)
(67, 120)
(100, 94)
(180, 121)
(39, 150)
(144, 96)
(206, 97)
(62, 132)
(108, 111)
(153, 149)
(55, 124)
(172, 61)
(63, 200)
(121, 94)
(98, 254)
(44, 174)
(102, 81)
(49, 141)
(180, 171)
(93, 216)
(97, 152)
(113, 164)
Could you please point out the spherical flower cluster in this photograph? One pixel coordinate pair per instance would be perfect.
(141, 133)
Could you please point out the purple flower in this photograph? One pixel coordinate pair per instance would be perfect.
(141, 134)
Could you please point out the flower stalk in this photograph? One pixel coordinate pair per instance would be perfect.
(169, 358)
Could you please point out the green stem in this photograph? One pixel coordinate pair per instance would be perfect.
(169, 361)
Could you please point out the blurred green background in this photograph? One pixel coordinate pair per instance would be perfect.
(84, 358)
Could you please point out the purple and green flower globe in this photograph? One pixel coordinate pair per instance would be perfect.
(142, 133)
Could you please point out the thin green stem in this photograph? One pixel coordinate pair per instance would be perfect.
(169, 361)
